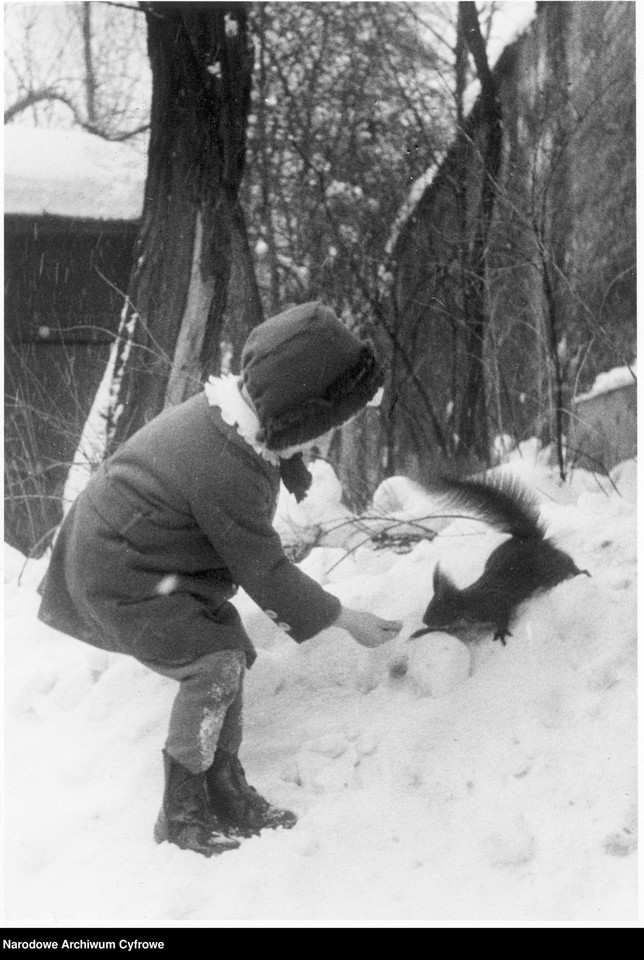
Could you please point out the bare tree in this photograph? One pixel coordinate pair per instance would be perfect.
(192, 227)
(549, 247)
(341, 128)
(473, 427)
(90, 74)
(81, 64)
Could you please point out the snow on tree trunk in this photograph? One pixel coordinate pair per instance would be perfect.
(175, 315)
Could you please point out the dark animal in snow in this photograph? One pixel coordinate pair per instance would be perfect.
(526, 563)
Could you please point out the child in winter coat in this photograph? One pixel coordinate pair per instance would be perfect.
(152, 550)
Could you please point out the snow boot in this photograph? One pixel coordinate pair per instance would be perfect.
(186, 818)
(238, 805)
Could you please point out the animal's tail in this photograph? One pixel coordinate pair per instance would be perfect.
(500, 501)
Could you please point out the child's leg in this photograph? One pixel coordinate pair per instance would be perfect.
(230, 736)
(209, 688)
(204, 737)
(238, 805)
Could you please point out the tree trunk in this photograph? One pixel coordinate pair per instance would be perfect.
(473, 427)
(90, 75)
(192, 225)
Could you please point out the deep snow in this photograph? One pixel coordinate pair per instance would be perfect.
(483, 785)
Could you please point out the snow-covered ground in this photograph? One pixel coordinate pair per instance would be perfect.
(435, 783)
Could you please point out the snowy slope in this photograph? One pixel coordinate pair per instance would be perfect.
(435, 783)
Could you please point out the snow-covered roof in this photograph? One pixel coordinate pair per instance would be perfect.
(611, 380)
(71, 173)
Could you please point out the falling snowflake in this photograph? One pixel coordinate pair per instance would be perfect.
(231, 26)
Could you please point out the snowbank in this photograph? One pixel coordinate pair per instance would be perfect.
(435, 783)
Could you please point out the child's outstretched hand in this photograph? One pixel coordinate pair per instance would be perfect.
(367, 629)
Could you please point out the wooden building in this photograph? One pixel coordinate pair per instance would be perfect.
(72, 206)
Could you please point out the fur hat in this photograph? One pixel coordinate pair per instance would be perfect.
(305, 373)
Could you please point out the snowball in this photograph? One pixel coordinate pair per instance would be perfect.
(437, 663)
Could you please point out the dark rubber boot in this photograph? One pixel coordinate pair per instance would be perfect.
(186, 818)
(238, 805)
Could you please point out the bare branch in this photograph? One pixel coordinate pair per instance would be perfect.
(31, 98)
(37, 96)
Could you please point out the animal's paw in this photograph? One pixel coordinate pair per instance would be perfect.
(502, 634)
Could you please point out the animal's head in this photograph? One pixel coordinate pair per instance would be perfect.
(445, 607)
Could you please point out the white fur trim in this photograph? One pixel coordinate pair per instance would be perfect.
(224, 392)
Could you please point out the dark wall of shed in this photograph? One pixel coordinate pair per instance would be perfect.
(63, 283)
(604, 428)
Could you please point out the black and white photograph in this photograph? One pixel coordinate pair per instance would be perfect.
(320, 446)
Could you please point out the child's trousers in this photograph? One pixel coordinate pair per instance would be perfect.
(207, 711)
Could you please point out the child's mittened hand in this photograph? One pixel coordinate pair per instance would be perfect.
(367, 629)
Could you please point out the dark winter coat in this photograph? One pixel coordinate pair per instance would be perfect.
(152, 550)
